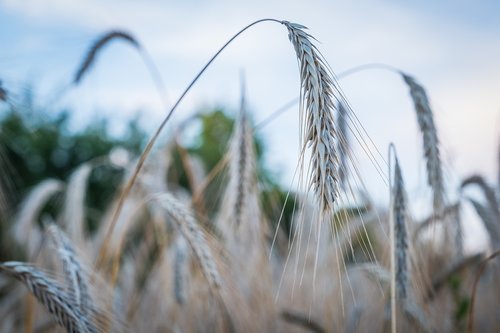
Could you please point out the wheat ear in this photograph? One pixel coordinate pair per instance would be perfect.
(489, 221)
(490, 214)
(98, 45)
(24, 229)
(194, 235)
(51, 296)
(317, 98)
(180, 267)
(241, 164)
(425, 119)
(73, 272)
(398, 240)
(74, 203)
(400, 234)
(343, 144)
(488, 192)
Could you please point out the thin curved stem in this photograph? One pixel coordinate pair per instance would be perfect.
(368, 66)
(128, 187)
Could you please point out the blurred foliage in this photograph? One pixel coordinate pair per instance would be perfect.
(36, 144)
(462, 302)
(41, 147)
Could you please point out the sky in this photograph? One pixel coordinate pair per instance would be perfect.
(451, 47)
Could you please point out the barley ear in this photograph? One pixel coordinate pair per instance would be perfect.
(317, 97)
(425, 119)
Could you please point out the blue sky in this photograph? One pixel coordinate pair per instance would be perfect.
(452, 47)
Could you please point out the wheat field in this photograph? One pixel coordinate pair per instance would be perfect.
(168, 258)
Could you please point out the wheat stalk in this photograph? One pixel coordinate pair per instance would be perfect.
(317, 97)
(425, 119)
(51, 296)
(194, 235)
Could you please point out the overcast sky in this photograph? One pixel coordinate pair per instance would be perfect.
(451, 47)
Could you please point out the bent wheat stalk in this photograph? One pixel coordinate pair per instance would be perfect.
(318, 89)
